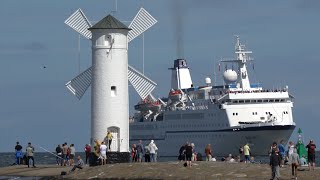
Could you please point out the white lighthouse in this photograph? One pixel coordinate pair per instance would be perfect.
(109, 76)
(109, 103)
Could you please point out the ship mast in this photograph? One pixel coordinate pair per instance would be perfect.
(242, 56)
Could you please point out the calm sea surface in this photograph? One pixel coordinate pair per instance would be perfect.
(7, 159)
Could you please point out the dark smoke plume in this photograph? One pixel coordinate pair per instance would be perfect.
(178, 16)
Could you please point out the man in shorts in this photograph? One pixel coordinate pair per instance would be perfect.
(103, 153)
(311, 155)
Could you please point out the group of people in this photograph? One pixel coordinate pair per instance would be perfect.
(149, 152)
(278, 158)
(100, 150)
(24, 158)
(188, 154)
(65, 154)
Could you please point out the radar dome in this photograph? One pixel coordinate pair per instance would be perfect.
(208, 81)
(230, 76)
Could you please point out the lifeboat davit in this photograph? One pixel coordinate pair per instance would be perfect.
(175, 95)
(146, 105)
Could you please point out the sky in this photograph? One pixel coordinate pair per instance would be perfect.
(36, 106)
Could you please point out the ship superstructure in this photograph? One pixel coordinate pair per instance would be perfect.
(224, 116)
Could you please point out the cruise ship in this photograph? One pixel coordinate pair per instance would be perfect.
(225, 116)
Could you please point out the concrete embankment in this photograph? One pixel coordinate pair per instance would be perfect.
(162, 170)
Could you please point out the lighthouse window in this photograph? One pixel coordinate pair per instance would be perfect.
(113, 91)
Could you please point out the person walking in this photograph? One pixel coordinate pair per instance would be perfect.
(275, 161)
(18, 153)
(208, 152)
(30, 152)
(153, 150)
(87, 150)
(109, 138)
(311, 155)
(140, 151)
(246, 152)
(294, 160)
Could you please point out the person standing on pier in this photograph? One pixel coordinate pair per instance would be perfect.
(208, 152)
(311, 155)
(246, 152)
(59, 154)
(109, 138)
(275, 161)
(153, 149)
(282, 152)
(18, 149)
(103, 153)
(87, 150)
(189, 151)
(140, 151)
(72, 154)
(30, 152)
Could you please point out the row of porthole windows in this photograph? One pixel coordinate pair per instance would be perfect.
(255, 101)
(198, 136)
(235, 114)
(196, 125)
(255, 113)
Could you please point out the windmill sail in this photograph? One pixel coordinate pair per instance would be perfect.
(79, 23)
(140, 23)
(80, 84)
(143, 85)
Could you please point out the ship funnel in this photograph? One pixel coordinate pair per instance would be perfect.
(181, 78)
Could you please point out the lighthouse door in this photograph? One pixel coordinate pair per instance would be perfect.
(115, 131)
